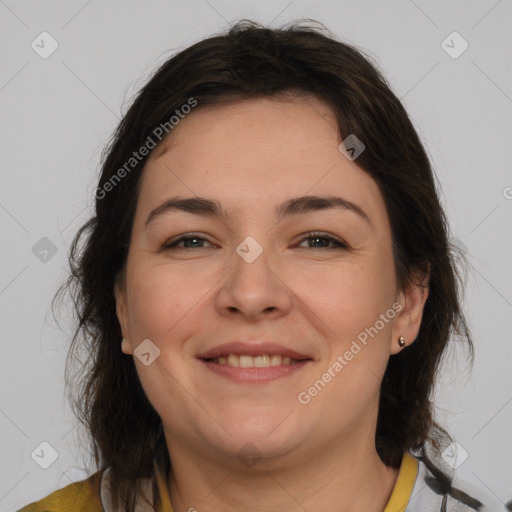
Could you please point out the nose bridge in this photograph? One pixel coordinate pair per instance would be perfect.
(251, 250)
(252, 286)
(251, 263)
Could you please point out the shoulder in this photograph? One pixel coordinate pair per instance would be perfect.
(82, 496)
(429, 494)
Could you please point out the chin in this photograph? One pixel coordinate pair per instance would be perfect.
(257, 437)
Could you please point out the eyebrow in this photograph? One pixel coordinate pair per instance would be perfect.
(294, 206)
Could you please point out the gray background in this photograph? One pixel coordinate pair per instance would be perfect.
(56, 115)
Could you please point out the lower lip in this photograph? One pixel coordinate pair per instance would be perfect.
(254, 375)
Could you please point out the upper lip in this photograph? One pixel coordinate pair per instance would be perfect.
(251, 349)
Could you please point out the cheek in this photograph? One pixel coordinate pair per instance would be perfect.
(164, 304)
(348, 296)
(156, 301)
(165, 297)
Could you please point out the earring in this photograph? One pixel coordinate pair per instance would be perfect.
(401, 341)
(124, 345)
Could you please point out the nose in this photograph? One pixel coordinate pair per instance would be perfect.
(254, 290)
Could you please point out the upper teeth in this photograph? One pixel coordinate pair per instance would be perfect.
(261, 361)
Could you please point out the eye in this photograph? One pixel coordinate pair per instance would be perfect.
(324, 240)
(190, 241)
(320, 241)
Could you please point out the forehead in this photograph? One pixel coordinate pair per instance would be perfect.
(253, 150)
(256, 119)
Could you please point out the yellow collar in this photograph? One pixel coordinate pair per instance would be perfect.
(165, 503)
(403, 485)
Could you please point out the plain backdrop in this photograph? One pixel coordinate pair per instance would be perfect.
(57, 113)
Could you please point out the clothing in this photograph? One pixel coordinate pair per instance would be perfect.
(425, 498)
(413, 492)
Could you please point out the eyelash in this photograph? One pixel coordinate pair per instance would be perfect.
(338, 244)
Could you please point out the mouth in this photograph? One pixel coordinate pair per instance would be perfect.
(247, 363)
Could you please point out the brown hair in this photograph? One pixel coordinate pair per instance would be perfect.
(248, 61)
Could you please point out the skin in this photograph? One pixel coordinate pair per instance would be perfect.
(252, 155)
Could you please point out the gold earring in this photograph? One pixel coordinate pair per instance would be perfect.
(401, 341)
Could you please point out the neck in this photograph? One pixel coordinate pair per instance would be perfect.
(349, 478)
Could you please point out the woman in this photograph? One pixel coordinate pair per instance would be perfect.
(265, 291)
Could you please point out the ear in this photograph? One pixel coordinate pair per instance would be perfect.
(412, 299)
(122, 312)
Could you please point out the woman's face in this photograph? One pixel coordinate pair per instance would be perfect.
(311, 321)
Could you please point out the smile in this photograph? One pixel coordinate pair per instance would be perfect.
(245, 369)
(247, 361)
